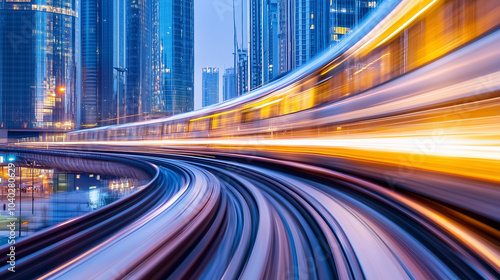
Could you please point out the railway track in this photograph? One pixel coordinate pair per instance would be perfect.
(204, 217)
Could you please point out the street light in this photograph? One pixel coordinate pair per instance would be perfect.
(62, 89)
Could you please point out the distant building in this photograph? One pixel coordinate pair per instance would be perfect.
(173, 52)
(210, 86)
(242, 72)
(39, 68)
(229, 90)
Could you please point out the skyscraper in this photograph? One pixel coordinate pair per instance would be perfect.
(229, 90)
(139, 60)
(242, 72)
(270, 63)
(174, 57)
(97, 36)
(344, 15)
(264, 44)
(39, 68)
(285, 36)
(255, 51)
(119, 58)
(308, 27)
(210, 86)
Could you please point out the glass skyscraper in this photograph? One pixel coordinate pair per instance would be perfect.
(242, 72)
(229, 90)
(119, 58)
(97, 63)
(255, 51)
(270, 41)
(39, 66)
(139, 45)
(174, 57)
(210, 86)
(307, 27)
(345, 14)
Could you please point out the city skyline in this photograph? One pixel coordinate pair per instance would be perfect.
(138, 62)
(214, 38)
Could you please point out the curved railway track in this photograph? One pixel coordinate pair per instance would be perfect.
(203, 217)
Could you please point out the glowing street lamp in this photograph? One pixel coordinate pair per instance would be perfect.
(62, 89)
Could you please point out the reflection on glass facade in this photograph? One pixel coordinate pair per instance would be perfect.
(39, 65)
(174, 56)
(242, 72)
(255, 41)
(229, 84)
(210, 86)
(90, 61)
(119, 58)
(97, 32)
(263, 38)
(270, 41)
(139, 47)
(345, 14)
(308, 27)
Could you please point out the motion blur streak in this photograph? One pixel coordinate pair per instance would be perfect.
(249, 217)
(380, 159)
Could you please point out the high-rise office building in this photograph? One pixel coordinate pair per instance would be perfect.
(298, 32)
(255, 51)
(39, 68)
(210, 86)
(264, 44)
(119, 58)
(229, 90)
(97, 33)
(344, 15)
(308, 27)
(285, 36)
(270, 57)
(173, 57)
(242, 72)
(139, 46)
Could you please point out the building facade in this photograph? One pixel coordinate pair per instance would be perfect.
(173, 57)
(119, 59)
(263, 23)
(97, 37)
(242, 72)
(344, 15)
(210, 86)
(137, 100)
(307, 28)
(270, 52)
(255, 50)
(39, 68)
(229, 90)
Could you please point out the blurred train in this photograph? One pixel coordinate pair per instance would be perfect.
(412, 67)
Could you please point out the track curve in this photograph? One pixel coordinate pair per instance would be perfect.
(256, 218)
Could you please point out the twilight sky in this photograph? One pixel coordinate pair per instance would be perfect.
(213, 41)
